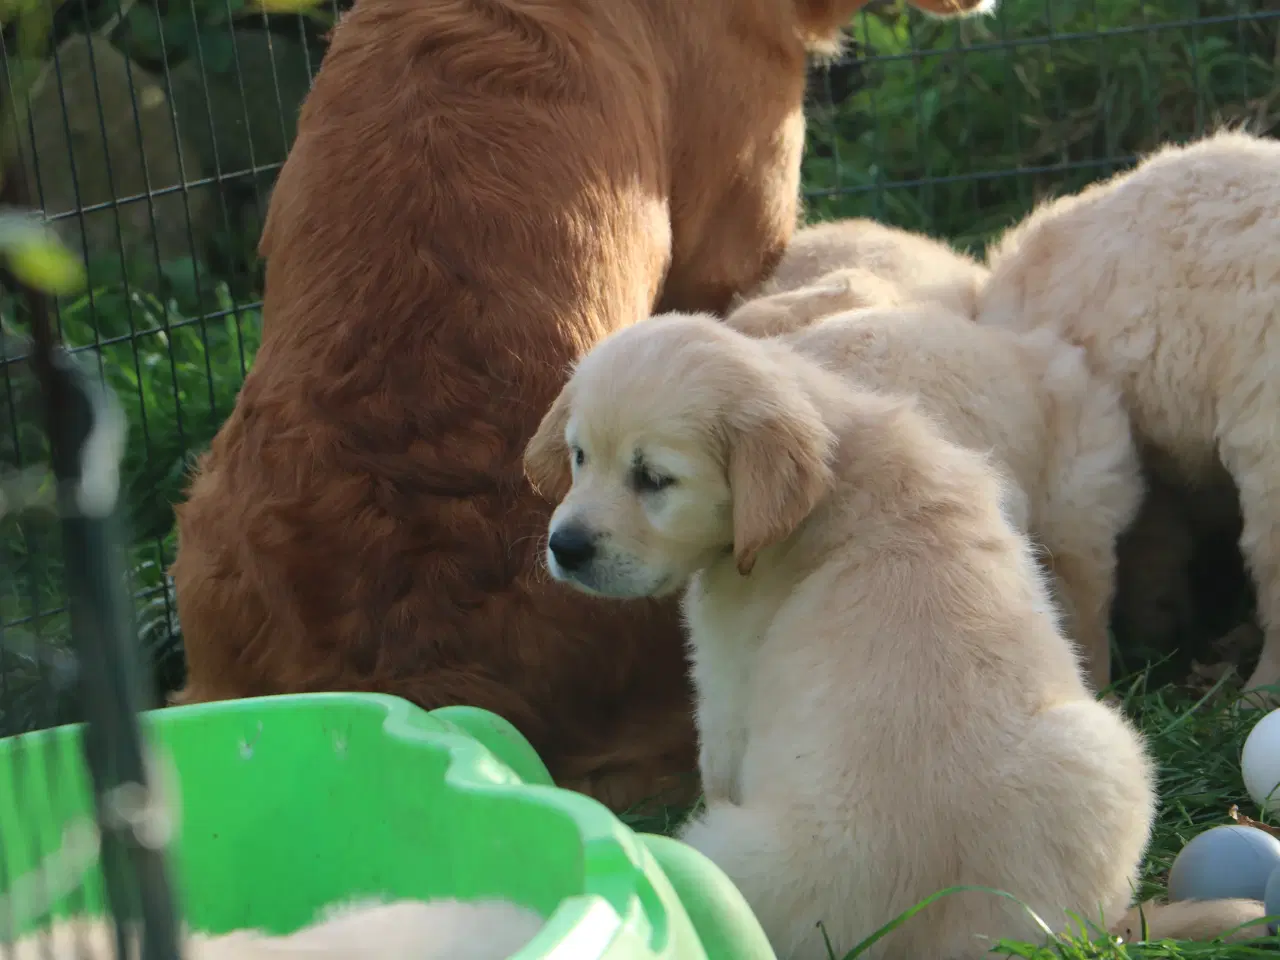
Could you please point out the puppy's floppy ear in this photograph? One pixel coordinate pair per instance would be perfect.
(778, 471)
(546, 458)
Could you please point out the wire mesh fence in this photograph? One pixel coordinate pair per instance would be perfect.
(154, 129)
(80, 795)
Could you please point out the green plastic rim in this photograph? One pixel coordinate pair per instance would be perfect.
(289, 805)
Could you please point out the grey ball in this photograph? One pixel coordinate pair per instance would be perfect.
(1272, 899)
(1223, 863)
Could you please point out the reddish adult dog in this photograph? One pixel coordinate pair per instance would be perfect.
(479, 192)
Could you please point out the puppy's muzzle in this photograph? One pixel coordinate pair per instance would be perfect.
(573, 547)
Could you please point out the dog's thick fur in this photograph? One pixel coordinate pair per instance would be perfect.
(1058, 434)
(885, 702)
(1169, 277)
(848, 264)
(479, 191)
(406, 930)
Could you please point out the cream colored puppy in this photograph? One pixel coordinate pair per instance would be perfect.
(1058, 434)
(1169, 277)
(847, 264)
(406, 930)
(886, 705)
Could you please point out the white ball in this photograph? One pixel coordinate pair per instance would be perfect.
(1271, 899)
(1225, 863)
(1260, 763)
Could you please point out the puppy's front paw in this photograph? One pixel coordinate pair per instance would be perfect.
(1266, 675)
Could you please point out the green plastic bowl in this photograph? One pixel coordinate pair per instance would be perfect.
(292, 804)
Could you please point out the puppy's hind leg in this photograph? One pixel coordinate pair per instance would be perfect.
(781, 881)
(1232, 920)
(1083, 562)
(1255, 466)
(1093, 495)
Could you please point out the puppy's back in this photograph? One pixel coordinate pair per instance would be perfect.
(923, 660)
(979, 384)
(1166, 274)
(917, 266)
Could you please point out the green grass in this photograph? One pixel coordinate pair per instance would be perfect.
(960, 127)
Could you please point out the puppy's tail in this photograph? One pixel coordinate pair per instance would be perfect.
(1192, 920)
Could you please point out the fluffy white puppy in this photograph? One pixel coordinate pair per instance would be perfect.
(1058, 434)
(1169, 277)
(849, 264)
(886, 704)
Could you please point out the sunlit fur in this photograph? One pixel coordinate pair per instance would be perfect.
(1058, 433)
(850, 264)
(886, 705)
(1169, 277)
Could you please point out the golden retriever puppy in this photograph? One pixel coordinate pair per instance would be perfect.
(886, 705)
(480, 190)
(406, 930)
(1059, 435)
(1169, 277)
(847, 264)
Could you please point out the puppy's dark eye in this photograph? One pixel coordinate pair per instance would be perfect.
(579, 458)
(646, 481)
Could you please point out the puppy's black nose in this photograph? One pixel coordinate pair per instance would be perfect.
(572, 546)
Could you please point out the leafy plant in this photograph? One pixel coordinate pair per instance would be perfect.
(960, 127)
(170, 33)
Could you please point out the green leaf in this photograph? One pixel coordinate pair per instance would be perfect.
(37, 257)
(283, 6)
(217, 53)
(49, 267)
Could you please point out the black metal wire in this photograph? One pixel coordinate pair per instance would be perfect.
(101, 615)
(220, 192)
(103, 640)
